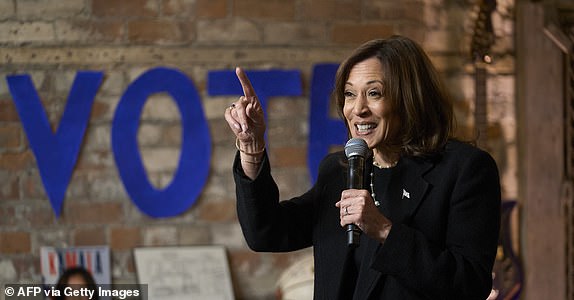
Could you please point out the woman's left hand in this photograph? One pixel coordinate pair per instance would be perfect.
(357, 207)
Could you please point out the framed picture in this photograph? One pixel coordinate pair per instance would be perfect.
(192, 272)
(95, 259)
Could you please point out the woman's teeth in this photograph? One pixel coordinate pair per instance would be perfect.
(365, 127)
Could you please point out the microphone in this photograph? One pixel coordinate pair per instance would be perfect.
(357, 152)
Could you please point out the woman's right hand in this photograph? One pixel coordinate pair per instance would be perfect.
(246, 119)
(245, 116)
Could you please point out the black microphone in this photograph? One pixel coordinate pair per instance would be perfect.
(357, 152)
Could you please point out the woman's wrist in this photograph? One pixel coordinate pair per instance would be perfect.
(251, 153)
(251, 149)
(251, 159)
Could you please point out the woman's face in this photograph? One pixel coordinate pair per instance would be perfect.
(77, 282)
(367, 112)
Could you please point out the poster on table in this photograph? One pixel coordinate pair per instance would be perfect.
(95, 259)
(178, 273)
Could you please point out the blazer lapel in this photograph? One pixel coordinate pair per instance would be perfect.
(408, 189)
(407, 192)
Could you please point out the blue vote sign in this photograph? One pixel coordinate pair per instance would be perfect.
(57, 153)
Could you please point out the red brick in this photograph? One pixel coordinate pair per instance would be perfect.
(358, 34)
(27, 266)
(10, 136)
(150, 31)
(125, 238)
(8, 112)
(99, 110)
(93, 213)
(289, 156)
(101, 31)
(395, 11)
(187, 29)
(327, 10)
(272, 9)
(15, 242)
(42, 216)
(32, 186)
(181, 8)
(16, 161)
(124, 8)
(9, 188)
(90, 237)
(7, 216)
(223, 211)
(211, 8)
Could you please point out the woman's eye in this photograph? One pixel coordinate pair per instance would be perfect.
(375, 93)
(348, 94)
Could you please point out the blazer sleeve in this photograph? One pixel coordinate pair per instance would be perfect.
(461, 268)
(268, 224)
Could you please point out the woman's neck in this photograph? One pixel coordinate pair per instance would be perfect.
(385, 157)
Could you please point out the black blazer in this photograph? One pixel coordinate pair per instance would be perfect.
(442, 243)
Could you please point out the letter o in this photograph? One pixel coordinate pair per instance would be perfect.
(195, 156)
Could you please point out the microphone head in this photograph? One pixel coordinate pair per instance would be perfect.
(357, 147)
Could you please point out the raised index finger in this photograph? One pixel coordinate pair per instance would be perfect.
(248, 90)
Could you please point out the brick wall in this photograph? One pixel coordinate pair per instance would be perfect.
(52, 39)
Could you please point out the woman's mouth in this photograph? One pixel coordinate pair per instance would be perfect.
(365, 128)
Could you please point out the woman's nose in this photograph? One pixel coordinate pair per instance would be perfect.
(361, 106)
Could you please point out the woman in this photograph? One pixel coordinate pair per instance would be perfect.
(76, 279)
(429, 223)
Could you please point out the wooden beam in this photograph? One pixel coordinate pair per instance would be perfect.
(540, 111)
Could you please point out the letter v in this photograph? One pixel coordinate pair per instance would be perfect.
(56, 154)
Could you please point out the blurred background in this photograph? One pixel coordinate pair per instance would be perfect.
(526, 99)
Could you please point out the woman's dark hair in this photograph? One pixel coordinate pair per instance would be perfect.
(414, 89)
(64, 279)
